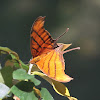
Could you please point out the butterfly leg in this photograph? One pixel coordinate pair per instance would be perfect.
(30, 68)
(32, 62)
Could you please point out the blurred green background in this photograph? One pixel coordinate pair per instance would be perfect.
(83, 19)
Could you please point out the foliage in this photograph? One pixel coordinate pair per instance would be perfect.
(16, 83)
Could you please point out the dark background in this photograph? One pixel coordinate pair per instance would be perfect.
(83, 19)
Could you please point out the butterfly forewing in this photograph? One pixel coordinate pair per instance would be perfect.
(41, 40)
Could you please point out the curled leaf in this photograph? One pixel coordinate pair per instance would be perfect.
(37, 92)
(72, 98)
(4, 50)
(58, 87)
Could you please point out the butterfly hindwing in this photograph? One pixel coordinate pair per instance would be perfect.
(53, 66)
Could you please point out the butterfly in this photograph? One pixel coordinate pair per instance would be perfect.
(46, 53)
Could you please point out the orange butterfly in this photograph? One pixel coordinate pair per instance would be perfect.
(47, 54)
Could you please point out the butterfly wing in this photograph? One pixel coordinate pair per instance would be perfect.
(53, 66)
(41, 40)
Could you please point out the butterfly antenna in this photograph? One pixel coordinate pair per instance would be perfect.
(78, 48)
(61, 35)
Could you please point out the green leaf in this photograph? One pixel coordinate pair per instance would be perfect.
(6, 73)
(9, 63)
(3, 90)
(26, 86)
(20, 64)
(21, 74)
(45, 95)
(23, 95)
(1, 78)
(0, 66)
(35, 81)
(4, 50)
(14, 57)
(24, 66)
(16, 64)
(60, 88)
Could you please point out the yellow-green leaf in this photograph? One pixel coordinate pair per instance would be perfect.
(72, 98)
(58, 87)
(37, 92)
(5, 50)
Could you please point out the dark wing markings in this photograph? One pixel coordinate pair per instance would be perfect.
(49, 64)
(36, 42)
(55, 64)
